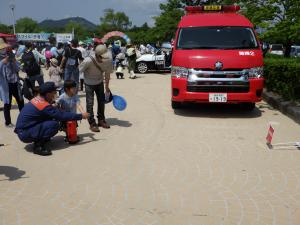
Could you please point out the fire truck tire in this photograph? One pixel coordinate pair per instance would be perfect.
(176, 105)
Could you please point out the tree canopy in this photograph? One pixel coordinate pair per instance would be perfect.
(80, 31)
(171, 13)
(280, 20)
(27, 25)
(5, 29)
(114, 21)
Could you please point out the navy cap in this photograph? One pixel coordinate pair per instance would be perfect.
(47, 88)
(107, 98)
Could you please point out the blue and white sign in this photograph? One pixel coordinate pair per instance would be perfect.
(64, 38)
(33, 36)
(44, 37)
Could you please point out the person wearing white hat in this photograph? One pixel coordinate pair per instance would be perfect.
(97, 69)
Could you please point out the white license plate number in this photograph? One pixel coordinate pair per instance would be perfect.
(216, 97)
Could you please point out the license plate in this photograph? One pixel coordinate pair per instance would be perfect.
(216, 97)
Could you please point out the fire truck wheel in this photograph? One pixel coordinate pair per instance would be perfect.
(142, 67)
(176, 105)
(249, 106)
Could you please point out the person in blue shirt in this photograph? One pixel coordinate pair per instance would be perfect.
(69, 101)
(39, 120)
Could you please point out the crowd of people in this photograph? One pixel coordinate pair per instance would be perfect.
(71, 68)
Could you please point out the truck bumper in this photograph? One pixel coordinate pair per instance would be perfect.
(180, 93)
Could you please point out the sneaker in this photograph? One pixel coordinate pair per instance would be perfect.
(103, 124)
(40, 149)
(94, 128)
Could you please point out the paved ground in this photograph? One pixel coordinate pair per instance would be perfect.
(201, 165)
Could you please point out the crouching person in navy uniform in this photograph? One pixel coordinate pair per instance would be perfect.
(39, 121)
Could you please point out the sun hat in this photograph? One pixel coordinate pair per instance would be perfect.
(54, 62)
(101, 50)
(3, 44)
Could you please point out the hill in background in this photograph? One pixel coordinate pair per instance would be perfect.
(62, 23)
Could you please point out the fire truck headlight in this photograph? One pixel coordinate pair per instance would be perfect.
(179, 72)
(256, 72)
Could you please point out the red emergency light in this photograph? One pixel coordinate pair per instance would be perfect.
(212, 8)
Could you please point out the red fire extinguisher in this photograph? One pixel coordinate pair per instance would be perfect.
(71, 131)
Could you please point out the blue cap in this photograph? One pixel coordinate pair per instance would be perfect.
(47, 88)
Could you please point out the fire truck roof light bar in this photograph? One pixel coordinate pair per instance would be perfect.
(212, 8)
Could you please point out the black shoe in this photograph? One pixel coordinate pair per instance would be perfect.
(40, 149)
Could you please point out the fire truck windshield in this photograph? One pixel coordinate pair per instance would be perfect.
(217, 38)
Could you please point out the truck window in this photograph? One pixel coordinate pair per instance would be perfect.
(217, 38)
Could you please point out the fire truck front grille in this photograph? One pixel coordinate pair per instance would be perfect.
(226, 81)
(226, 87)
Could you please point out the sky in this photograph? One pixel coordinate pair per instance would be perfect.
(139, 11)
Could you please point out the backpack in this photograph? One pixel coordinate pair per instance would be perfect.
(31, 67)
(72, 59)
(59, 56)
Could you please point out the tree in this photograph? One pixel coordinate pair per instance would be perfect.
(279, 18)
(114, 21)
(5, 29)
(172, 11)
(80, 32)
(27, 25)
(143, 34)
(166, 23)
(53, 29)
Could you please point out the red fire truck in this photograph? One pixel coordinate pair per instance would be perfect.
(217, 58)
